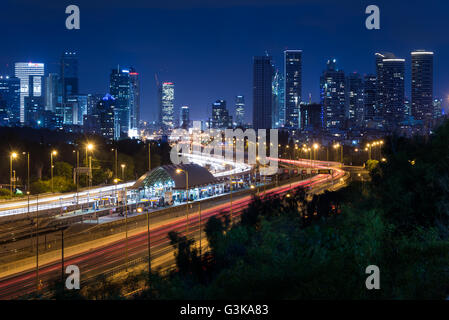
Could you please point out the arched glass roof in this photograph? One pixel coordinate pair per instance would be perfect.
(197, 176)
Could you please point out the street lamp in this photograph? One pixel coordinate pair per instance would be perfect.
(89, 147)
(336, 146)
(53, 153)
(123, 171)
(28, 169)
(315, 148)
(178, 171)
(11, 158)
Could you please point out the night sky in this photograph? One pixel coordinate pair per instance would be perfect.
(206, 47)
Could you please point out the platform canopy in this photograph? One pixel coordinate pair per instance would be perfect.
(168, 175)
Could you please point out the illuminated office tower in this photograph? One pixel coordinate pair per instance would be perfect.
(134, 99)
(333, 95)
(220, 116)
(52, 92)
(240, 111)
(262, 92)
(369, 96)
(119, 87)
(69, 74)
(293, 87)
(185, 117)
(422, 85)
(166, 106)
(10, 99)
(23, 71)
(355, 101)
(390, 88)
(278, 116)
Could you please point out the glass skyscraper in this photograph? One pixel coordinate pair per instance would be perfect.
(333, 95)
(369, 96)
(262, 92)
(10, 99)
(390, 89)
(355, 101)
(422, 85)
(134, 101)
(120, 89)
(166, 106)
(293, 87)
(23, 71)
(239, 111)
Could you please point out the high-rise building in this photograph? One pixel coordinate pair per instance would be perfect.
(166, 92)
(69, 74)
(10, 99)
(390, 88)
(134, 107)
(23, 71)
(119, 87)
(437, 108)
(422, 85)
(278, 105)
(312, 116)
(34, 111)
(355, 102)
(185, 117)
(240, 111)
(293, 87)
(262, 92)
(369, 96)
(52, 91)
(333, 95)
(101, 119)
(220, 116)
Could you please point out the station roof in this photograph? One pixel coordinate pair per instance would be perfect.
(197, 176)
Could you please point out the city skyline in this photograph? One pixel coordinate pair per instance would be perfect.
(146, 52)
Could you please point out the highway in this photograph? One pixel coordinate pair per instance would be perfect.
(101, 259)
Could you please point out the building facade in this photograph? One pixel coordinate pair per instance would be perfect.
(262, 92)
(293, 87)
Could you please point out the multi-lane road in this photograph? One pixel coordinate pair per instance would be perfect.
(113, 254)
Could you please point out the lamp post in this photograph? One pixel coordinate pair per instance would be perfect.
(336, 147)
(126, 227)
(53, 153)
(37, 242)
(315, 148)
(89, 147)
(123, 171)
(149, 242)
(231, 198)
(28, 170)
(11, 158)
(199, 208)
(187, 196)
(115, 162)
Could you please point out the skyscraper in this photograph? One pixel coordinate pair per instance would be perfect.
(10, 97)
(262, 92)
(369, 96)
(69, 74)
(220, 116)
(312, 116)
(239, 111)
(422, 85)
(390, 88)
(166, 106)
(120, 89)
(185, 117)
(293, 87)
(51, 91)
(23, 71)
(355, 101)
(333, 95)
(278, 116)
(134, 108)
